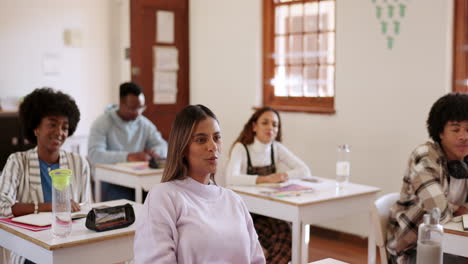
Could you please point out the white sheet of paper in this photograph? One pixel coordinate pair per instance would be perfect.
(164, 87)
(165, 58)
(51, 64)
(164, 26)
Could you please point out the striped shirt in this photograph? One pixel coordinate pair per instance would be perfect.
(425, 186)
(21, 179)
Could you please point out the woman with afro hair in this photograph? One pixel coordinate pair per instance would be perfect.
(47, 118)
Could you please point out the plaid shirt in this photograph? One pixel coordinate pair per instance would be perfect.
(425, 186)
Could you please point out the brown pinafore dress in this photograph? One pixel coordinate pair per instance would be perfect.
(274, 235)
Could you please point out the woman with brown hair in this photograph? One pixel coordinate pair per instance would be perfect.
(257, 156)
(188, 218)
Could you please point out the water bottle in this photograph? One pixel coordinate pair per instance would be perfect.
(343, 166)
(430, 235)
(61, 202)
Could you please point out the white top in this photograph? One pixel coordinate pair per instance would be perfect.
(184, 221)
(260, 155)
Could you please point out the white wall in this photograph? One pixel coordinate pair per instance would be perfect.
(382, 96)
(29, 30)
(382, 101)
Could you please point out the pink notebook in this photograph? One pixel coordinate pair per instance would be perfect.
(34, 228)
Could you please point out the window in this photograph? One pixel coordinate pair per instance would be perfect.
(299, 55)
(460, 47)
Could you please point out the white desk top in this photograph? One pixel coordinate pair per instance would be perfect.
(129, 170)
(455, 228)
(324, 190)
(79, 235)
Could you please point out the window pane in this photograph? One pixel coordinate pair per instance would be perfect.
(295, 81)
(281, 20)
(327, 15)
(295, 49)
(311, 80)
(296, 18)
(326, 80)
(280, 82)
(280, 50)
(327, 48)
(310, 17)
(310, 48)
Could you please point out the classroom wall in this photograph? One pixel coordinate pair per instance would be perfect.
(382, 95)
(32, 33)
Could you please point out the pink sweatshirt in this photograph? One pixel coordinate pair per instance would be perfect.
(184, 221)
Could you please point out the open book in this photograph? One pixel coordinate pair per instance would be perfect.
(43, 218)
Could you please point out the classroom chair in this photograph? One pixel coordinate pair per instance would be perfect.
(380, 214)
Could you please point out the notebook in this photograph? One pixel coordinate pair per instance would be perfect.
(288, 190)
(465, 222)
(279, 184)
(25, 226)
(43, 218)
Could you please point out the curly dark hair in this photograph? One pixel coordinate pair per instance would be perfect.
(43, 102)
(247, 135)
(450, 107)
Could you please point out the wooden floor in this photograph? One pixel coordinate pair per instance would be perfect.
(324, 244)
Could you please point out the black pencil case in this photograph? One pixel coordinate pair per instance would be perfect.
(110, 218)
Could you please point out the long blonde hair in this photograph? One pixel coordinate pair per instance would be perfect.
(179, 141)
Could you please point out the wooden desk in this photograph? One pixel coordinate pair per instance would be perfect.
(311, 208)
(139, 180)
(455, 239)
(82, 246)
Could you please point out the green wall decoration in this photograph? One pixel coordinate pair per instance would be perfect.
(390, 14)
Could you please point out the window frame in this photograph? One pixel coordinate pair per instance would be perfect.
(321, 105)
(460, 47)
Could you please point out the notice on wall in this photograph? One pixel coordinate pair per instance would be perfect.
(51, 64)
(166, 58)
(164, 87)
(164, 26)
(165, 70)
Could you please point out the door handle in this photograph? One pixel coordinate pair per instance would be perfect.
(135, 71)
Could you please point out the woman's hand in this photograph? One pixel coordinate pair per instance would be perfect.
(461, 211)
(273, 178)
(74, 206)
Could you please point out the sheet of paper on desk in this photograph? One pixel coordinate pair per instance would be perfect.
(136, 165)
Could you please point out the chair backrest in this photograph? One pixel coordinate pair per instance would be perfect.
(380, 215)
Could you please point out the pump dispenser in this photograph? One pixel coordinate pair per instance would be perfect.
(430, 235)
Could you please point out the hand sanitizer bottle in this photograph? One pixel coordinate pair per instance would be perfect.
(430, 235)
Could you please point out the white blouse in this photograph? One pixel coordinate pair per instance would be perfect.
(260, 155)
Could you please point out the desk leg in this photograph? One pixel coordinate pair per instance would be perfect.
(97, 190)
(296, 243)
(305, 237)
(138, 194)
(371, 246)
